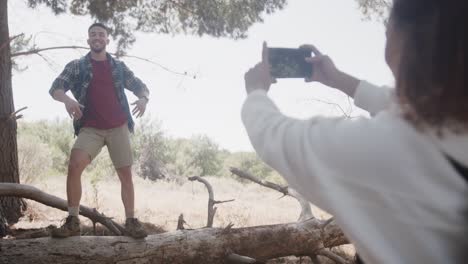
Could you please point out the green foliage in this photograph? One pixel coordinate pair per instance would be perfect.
(57, 135)
(44, 148)
(249, 162)
(151, 150)
(33, 158)
(204, 155)
(201, 17)
(198, 156)
(20, 42)
(378, 9)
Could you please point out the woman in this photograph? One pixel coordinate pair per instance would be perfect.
(395, 182)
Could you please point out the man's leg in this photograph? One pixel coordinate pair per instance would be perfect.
(127, 191)
(87, 146)
(79, 159)
(133, 227)
(118, 144)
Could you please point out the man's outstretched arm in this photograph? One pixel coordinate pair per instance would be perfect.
(62, 84)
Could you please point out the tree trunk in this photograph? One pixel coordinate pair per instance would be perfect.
(208, 245)
(10, 208)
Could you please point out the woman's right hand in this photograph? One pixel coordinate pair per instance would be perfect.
(324, 71)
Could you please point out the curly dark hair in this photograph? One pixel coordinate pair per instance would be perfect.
(431, 80)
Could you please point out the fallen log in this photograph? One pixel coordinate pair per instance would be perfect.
(207, 245)
(32, 193)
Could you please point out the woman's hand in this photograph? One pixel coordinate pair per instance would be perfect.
(259, 77)
(324, 71)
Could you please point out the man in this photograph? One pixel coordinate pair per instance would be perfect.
(101, 116)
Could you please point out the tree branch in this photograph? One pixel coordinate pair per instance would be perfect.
(235, 258)
(10, 40)
(306, 212)
(345, 114)
(205, 245)
(159, 65)
(250, 177)
(327, 222)
(180, 222)
(332, 256)
(211, 201)
(38, 51)
(30, 192)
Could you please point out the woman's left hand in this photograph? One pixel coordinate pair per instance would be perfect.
(259, 77)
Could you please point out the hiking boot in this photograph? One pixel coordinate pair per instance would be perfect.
(71, 227)
(134, 228)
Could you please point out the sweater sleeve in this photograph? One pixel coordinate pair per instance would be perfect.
(315, 156)
(372, 98)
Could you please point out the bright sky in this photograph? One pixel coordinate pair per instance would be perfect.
(210, 104)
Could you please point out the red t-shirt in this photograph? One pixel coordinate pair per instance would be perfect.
(103, 110)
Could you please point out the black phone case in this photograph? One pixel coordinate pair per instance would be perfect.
(289, 63)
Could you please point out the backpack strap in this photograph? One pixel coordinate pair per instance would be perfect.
(462, 170)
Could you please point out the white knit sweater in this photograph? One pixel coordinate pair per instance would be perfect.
(389, 186)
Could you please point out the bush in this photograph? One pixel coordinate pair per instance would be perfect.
(33, 159)
(151, 150)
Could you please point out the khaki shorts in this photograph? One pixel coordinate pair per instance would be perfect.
(117, 140)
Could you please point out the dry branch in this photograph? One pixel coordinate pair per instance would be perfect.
(3, 45)
(37, 51)
(207, 245)
(180, 222)
(235, 258)
(30, 192)
(211, 200)
(306, 211)
(332, 256)
(327, 222)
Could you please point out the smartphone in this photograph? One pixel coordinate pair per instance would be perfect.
(289, 63)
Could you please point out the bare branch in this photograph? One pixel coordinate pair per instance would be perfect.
(250, 177)
(180, 222)
(211, 201)
(327, 222)
(331, 255)
(10, 40)
(315, 259)
(235, 258)
(37, 51)
(228, 228)
(345, 114)
(30, 192)
(14, 115)
(159, 65)
(227, 201)
(306, 211)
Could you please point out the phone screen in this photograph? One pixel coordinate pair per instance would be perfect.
(289, 63)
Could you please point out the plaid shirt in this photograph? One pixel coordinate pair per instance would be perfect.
(78, 74)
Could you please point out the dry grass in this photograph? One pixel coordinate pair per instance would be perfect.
(160, 203)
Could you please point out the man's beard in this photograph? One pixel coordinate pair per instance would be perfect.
(97, 50)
